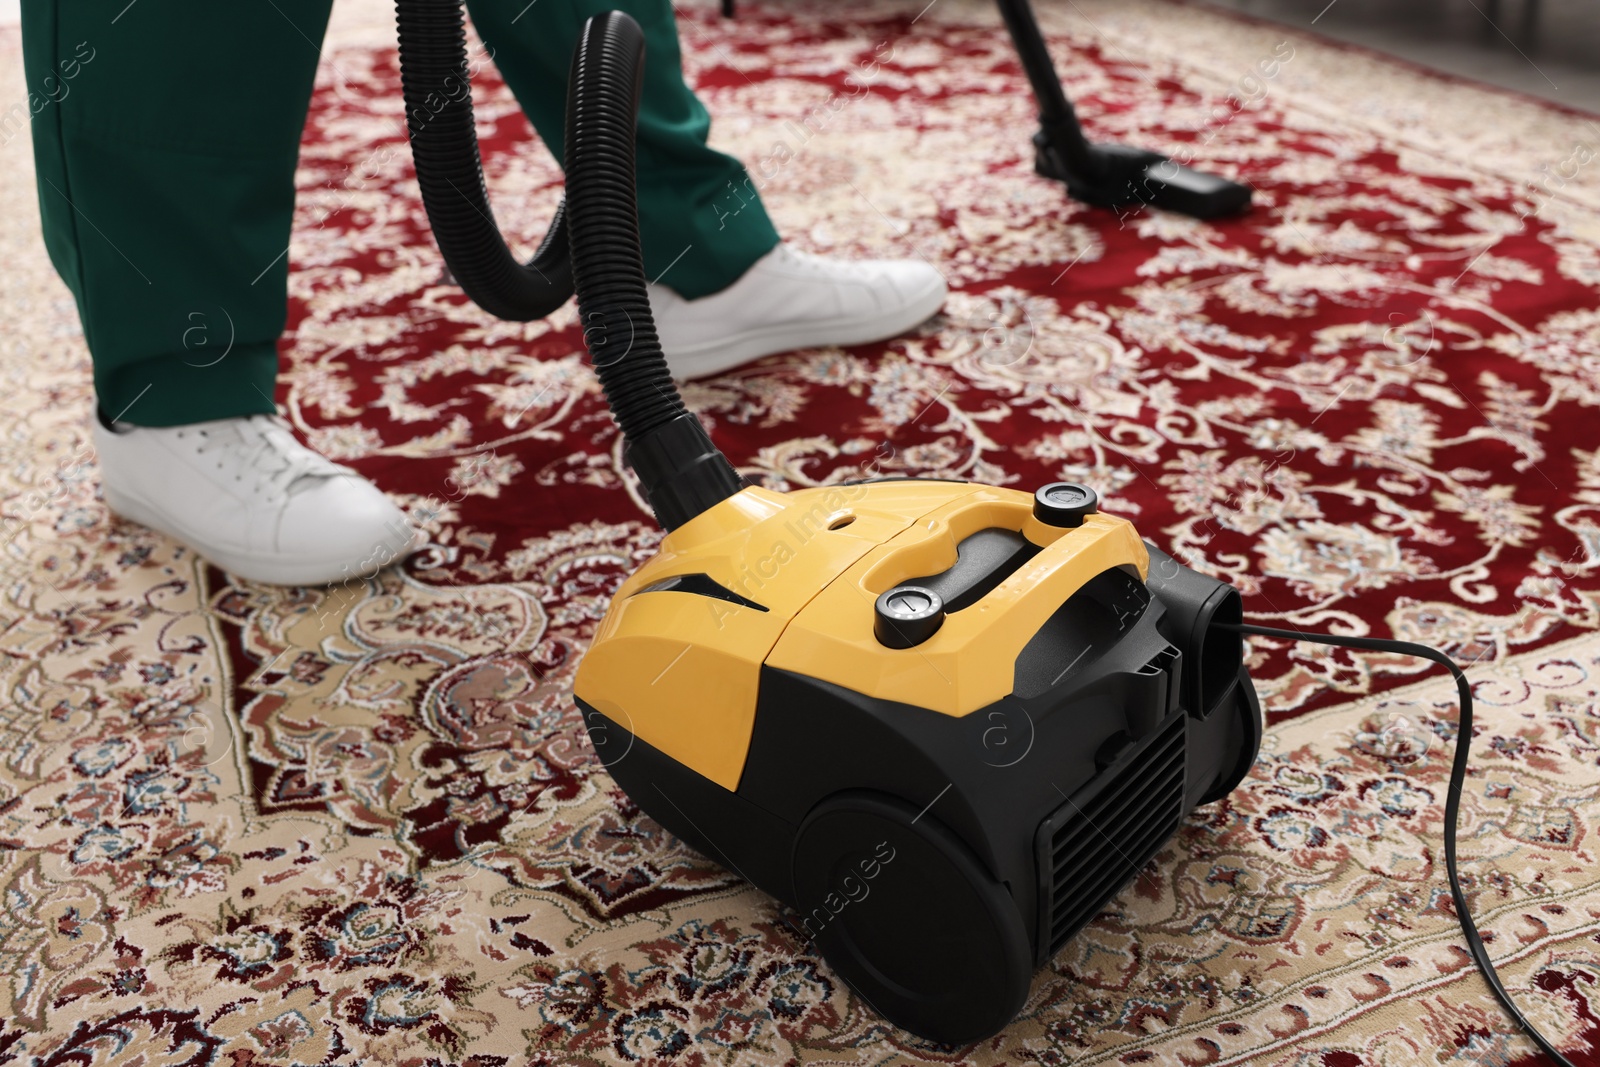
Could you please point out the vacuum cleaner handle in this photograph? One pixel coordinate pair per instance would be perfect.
(593, 245)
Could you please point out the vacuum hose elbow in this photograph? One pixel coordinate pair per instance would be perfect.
(681, 472)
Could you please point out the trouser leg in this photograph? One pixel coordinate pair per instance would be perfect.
(165, 137)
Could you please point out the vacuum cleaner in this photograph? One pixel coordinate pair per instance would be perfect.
(943, 723)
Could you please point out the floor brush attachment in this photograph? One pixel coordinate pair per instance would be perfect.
(943, 723)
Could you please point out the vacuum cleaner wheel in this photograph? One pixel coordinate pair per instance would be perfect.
(905, 913)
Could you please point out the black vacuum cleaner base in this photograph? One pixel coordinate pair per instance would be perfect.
(1129, 176)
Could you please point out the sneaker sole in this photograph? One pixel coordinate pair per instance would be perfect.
(754, 344)
(255, 566)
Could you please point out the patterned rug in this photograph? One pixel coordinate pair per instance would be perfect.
(245, 825)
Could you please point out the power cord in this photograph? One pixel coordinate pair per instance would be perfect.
(1452, 807)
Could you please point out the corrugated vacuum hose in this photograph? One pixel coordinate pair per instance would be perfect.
(593, 243)
(433, 74)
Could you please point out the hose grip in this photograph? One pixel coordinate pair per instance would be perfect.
(681, 471)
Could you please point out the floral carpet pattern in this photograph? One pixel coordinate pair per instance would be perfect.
(247, 825)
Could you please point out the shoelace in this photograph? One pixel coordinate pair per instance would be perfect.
(277, 460)
(804, 260)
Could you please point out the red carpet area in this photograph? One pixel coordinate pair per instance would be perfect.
(248, 825)
(1364, 402)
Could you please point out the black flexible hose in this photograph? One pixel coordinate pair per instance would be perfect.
(680, 470)
(433, 74)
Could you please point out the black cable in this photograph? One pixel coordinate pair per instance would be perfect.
(1452, 807)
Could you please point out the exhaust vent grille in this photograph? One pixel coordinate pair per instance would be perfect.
(1100, 839)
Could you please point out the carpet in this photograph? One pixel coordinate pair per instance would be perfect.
(249, 825)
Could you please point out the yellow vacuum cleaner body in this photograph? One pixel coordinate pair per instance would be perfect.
(945, 723)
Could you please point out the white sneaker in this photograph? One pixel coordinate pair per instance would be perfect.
(791, 299)
(252, 499)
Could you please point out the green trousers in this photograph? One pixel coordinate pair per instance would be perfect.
(166, 134)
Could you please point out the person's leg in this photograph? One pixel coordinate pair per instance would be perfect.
(697, 235)
(165, 137)
(166, 141)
